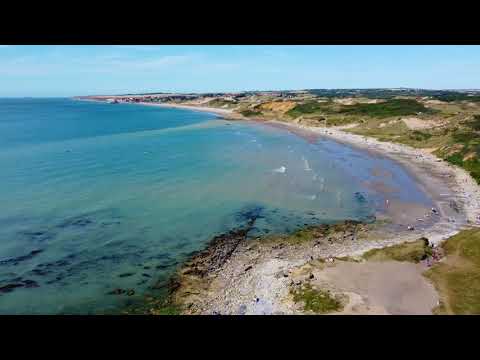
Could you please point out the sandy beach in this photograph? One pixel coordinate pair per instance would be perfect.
(446, 184)
(223, 112)
(239, 275)
(257, 277)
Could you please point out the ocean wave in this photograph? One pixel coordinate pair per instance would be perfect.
(306, 164)
(281, 170)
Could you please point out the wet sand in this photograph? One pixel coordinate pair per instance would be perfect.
(455, 193)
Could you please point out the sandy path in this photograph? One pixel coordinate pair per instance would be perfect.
(391, 287)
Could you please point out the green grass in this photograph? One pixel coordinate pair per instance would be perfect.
(221, 103)
(472, 165)
(249, 112)
(458, 277)
(471, 145)
(419, 135)
(445, 139)
(411, 252)
(317, 301)
(168, 310)
(457, 97)
(389, 108)
(475, 123)
(310, 107)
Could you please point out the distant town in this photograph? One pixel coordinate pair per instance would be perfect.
(297, 95)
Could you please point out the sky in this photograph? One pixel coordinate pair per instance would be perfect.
(51, 71)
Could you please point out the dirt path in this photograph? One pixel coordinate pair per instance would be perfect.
(389, 287)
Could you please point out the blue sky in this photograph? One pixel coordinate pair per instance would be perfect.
(82, 70)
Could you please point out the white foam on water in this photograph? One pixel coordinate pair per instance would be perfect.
(306, 164)
(281, 170)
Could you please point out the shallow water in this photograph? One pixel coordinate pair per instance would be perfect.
(97, 196)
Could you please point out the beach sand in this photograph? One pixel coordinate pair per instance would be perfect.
(227, 113)
(455, 193)
(256, 277)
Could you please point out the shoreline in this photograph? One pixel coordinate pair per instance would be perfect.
(223, 112)
(261, 276)
(444, 183)
(238, 275)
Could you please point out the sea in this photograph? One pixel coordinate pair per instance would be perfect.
(97, 197)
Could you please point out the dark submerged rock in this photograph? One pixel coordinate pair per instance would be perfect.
(10, 287)
(218, 252)
(30, 284)
(117, 292)
(16, 260)
(126, 275)
(18, 283)
(77, 221)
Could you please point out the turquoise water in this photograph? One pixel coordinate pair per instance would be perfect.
(96, 196)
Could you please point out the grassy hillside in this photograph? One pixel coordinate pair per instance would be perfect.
(311, 107)
(457, 97)
(458, 277)
(411, 252)
(452, 133)
(392, 107)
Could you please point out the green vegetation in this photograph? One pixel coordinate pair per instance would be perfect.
(298, 237)
(346, 114)
(456, 140)
(318, 301)
(310, 107)
(222, 103)
(167, 310)
(453, 136)
(392, 107)
(160, 304)
(419, 135)
(349, 259)
(458, 277)
(249, 112)
(457, 97)
(309, 233)
(411, 252)
(468, 155)
(475, 123)
(471, 165)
